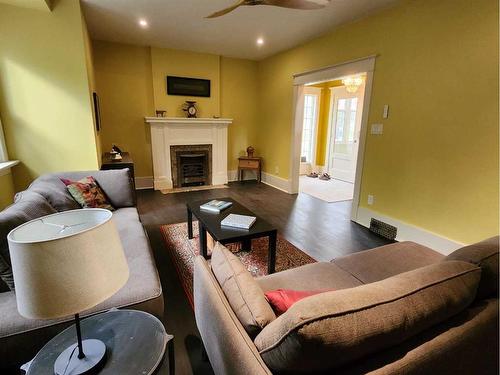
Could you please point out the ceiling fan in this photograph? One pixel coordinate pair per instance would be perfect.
(293, 4)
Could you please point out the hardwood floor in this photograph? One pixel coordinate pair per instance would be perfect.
(323, 230)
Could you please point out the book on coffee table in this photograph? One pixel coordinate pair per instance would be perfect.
(215, 206)
(238, 221)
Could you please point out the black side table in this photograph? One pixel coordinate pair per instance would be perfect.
(135, 344)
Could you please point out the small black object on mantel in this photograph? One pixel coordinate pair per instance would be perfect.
(190, 108)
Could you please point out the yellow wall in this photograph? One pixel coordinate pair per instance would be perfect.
(44, 93)
(131, 85)
(185, 64)
(324, 119)
(125, 89)
(6, 190)
(436, 165)
(89, 63)
(239, 97)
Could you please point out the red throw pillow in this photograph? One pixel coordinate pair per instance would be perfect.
(87, 193)
(282, 299)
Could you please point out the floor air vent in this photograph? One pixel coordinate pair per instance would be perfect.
(383, 229)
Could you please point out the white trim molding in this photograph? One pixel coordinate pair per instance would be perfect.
(142, 183)
(277, 182)
(188, 120)
(5, 166)
(172, 131)
(267, 178)
(409, 232)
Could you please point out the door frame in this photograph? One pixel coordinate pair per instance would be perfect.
(318, 92)
(362, 65)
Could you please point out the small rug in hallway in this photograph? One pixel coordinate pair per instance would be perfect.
(183, 250)
(329, 191)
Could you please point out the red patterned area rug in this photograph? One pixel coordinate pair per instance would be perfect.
(183, 250)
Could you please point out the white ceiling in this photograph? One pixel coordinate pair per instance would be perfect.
(180, 24)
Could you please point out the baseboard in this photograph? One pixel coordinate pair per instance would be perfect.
(232, 175)
(409, 232)
(267, 178)
(144, 183)
(277, 182)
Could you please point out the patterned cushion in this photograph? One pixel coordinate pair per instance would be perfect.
(87, 193)
(29, 205)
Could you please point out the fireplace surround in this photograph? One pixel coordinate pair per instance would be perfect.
(176, 131)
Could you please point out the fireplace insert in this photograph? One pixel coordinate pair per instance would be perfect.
(191, 165)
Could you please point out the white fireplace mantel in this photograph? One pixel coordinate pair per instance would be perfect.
(174, 131)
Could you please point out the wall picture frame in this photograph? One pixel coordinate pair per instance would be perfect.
(185, 86)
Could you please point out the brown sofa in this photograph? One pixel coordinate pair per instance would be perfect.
(21, 338)
(397, 309)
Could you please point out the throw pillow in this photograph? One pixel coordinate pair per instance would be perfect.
(87, 193)
(282, 299)
(241, 290)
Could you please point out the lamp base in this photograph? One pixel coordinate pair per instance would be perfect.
(68, 362)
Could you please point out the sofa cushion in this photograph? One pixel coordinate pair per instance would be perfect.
(328, 330)
(142, 285)
(386, 261)
(320, 275)
(242, 292)
(28, 206)
(485, 255)
(115, 184)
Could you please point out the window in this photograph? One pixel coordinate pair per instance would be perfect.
(309, 126)
(346, 120)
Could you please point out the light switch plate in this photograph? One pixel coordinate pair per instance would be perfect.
(386, 111)
(377, 129)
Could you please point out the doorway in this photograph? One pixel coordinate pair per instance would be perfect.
(344, 131)
(347, 112)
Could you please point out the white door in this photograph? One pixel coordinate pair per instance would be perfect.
(345, 124)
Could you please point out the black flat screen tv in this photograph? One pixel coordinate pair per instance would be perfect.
(184, 86)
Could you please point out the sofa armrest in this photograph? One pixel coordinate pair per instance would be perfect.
(229, 348)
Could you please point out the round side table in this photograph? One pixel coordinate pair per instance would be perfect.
(136, 343)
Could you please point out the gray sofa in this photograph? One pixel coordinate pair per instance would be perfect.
(21, 338)
(397, 309)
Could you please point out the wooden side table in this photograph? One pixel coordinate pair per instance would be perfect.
(126, 162)
(247, 163)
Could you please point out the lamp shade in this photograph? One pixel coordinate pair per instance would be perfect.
(66, 262)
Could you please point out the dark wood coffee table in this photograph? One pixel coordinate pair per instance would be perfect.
(210, 222)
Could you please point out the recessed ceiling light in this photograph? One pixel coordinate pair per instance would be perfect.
(260, 41)
(143, 23)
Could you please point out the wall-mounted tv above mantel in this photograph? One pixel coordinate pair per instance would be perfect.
(184, 86)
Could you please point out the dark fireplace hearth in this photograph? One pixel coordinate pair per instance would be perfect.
(191, 165)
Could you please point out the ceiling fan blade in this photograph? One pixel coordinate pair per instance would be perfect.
(298, 4)
(227, 10)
